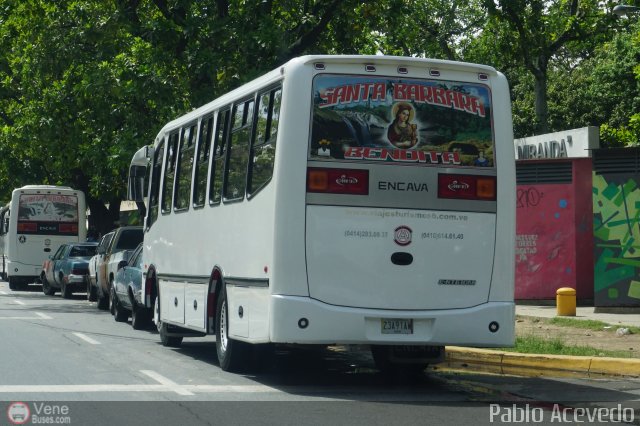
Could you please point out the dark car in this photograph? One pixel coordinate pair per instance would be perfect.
(126, 292)
(68, 269)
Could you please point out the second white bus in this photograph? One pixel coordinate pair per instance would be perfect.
(38, 220)
(336, 200)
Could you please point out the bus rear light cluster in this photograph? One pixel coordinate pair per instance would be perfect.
(467, 187)
(338, 181)
(68, 228)
(27, 227)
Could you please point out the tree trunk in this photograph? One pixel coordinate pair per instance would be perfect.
(542, 107)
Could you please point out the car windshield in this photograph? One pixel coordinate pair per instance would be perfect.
(82, 251)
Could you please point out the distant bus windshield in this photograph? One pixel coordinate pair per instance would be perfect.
(48, 207)
(425, 122)
(48, 214)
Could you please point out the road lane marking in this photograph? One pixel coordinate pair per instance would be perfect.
(4, 293)
(167, 382)
(43, 316)
(19, 302)
(39, 317)
(237, 389)
(86, 338)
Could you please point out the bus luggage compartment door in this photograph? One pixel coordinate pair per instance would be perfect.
(398, 258)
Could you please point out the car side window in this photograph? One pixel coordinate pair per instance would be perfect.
(59, 252)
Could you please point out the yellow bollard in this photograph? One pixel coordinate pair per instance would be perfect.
(566, 302)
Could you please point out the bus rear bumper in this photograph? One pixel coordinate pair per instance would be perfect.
(304, 320)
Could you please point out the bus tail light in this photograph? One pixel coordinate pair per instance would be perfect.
(27, 227)
(338, 181)
(467, 187)
(68, 228)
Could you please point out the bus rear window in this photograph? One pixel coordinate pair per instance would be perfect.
(48, 207)
(425, 122)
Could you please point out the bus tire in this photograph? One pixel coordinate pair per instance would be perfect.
(165, 339)
(14, 284)
(46, 287)
(233, 355)
(382, 358)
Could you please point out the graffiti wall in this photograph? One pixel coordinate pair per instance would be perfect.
(554, 240)
(545, 240)
(616, 230)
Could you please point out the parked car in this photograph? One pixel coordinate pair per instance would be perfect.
(111, 250)
(127, 292)
(92, 286)
(68, 269)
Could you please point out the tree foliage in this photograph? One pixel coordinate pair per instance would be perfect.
(84, 83)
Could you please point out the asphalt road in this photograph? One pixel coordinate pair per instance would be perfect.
(67, 361)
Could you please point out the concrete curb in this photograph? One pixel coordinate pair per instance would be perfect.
(512, 361)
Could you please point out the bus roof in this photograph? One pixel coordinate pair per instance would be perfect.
(278, 73)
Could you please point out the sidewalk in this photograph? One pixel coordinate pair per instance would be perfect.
(582, 313)
(548, 365)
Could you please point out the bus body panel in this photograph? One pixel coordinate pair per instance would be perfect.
(328, 324)
(444, 259)
(503, 263)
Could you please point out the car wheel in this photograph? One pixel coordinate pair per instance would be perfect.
(120, 313)
(140, 317)
(170, 341)
(91, 291)
(103, 300)
(232, 354)
(112, 301)
(46, 287)
(65, 292)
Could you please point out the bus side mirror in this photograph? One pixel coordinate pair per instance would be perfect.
(136, 185)
(122, 264)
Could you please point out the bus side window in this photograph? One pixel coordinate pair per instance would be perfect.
(155, 184)
(238, 155)
(263, 151)
(184, 170)
(202, 161)
(169, 172)
(219, 150)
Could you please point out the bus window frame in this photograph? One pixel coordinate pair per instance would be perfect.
(271, 91)
(245, 125)
(203, 121)
(213, 171)
(171, 133)
(184, 130)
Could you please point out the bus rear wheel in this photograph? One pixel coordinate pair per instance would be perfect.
(382, 357)
(16, 284)
(165, 338)
(233, 355)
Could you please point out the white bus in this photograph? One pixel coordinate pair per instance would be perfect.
(38, 220)
(336, 200)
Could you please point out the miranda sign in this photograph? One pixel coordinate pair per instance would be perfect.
(576, 143)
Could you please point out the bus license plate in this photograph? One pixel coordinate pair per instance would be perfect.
(397, 326)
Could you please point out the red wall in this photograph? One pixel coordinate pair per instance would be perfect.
(554, 237)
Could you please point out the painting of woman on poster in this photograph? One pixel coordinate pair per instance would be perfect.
(402, 133)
